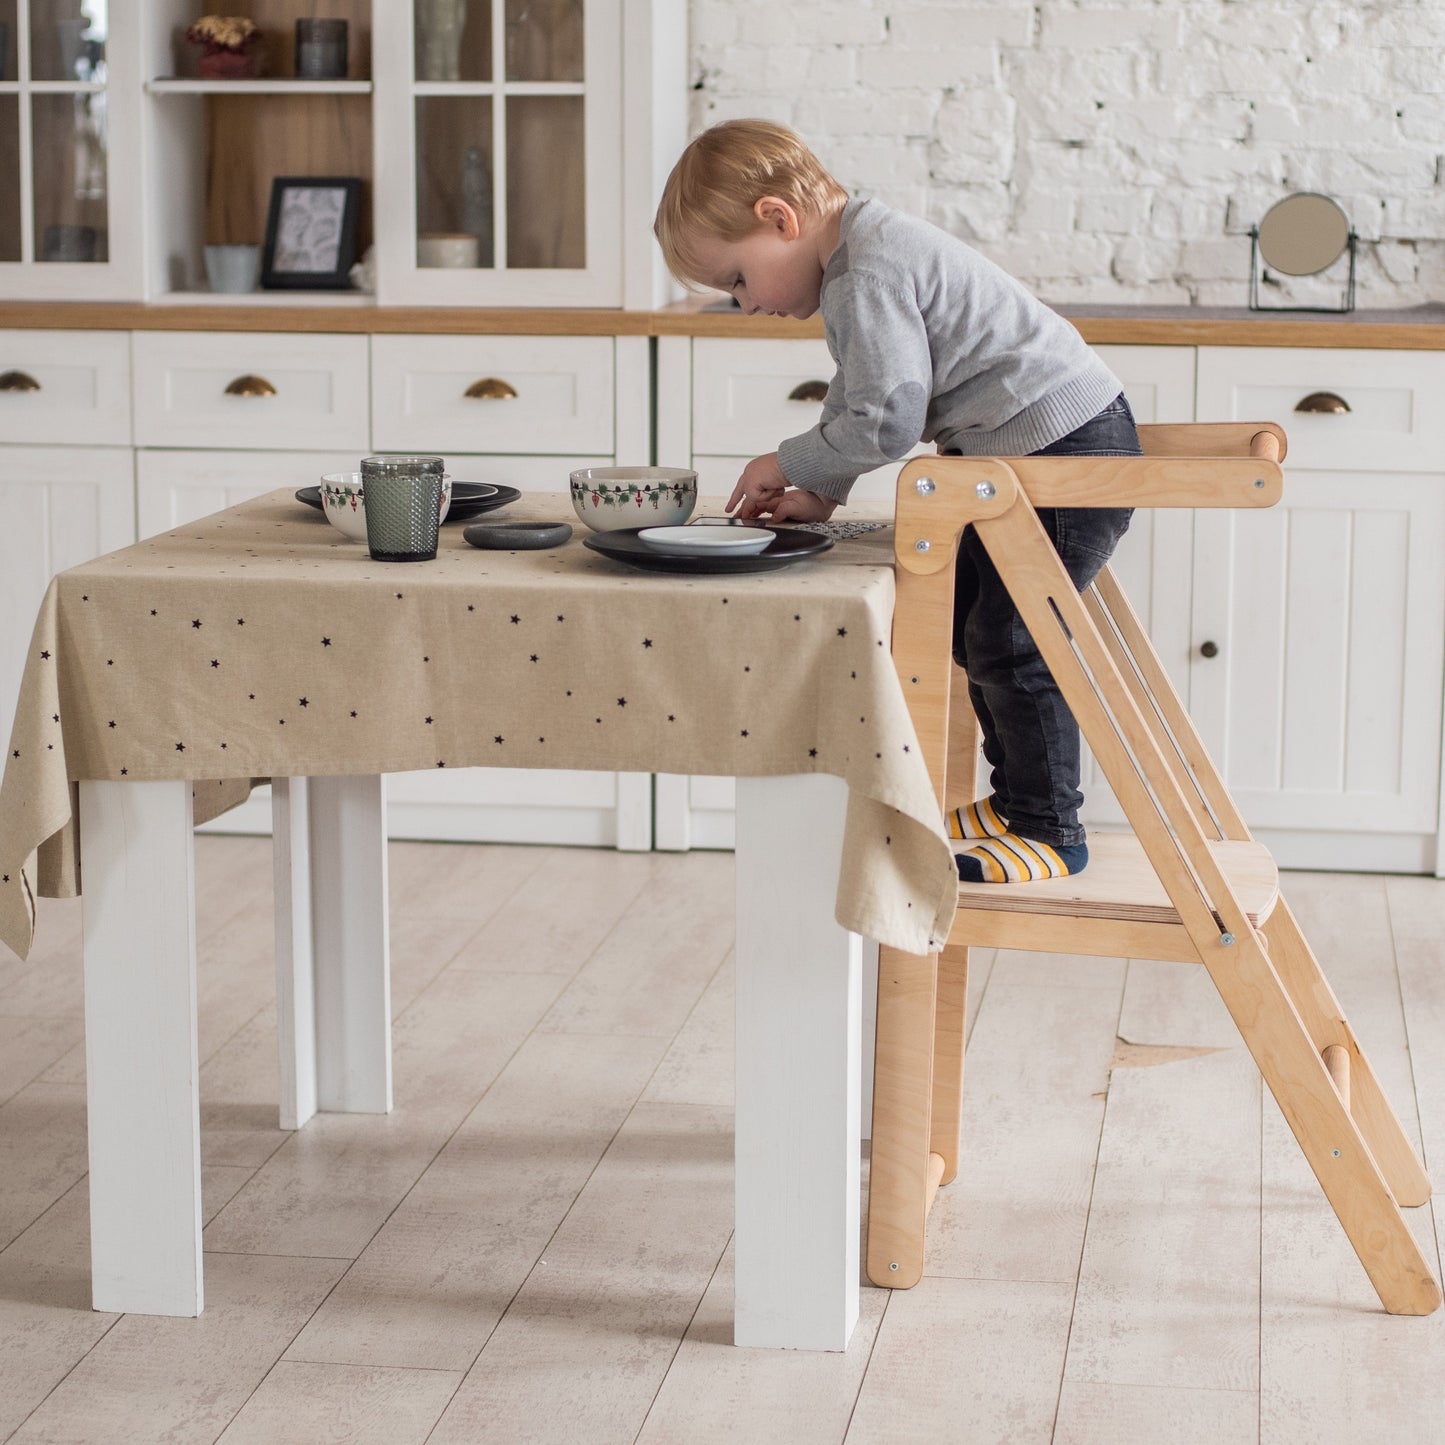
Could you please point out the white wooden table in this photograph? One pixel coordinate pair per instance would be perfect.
(798, 1033)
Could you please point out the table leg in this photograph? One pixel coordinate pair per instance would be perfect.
(798, 1065)
(334, 860)
(295, 963)
(141, 1068)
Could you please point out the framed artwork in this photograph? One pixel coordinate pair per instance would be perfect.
(311, 232)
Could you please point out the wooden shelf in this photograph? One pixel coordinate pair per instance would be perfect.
(280, 86)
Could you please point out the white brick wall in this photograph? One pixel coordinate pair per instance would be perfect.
(1112, 150)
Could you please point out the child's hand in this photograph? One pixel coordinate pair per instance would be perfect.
(797, 505)
(760, 487)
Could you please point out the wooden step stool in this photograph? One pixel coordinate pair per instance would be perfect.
(1188, 884)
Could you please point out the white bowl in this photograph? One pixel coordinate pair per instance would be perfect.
(606, 498)
(344, 503)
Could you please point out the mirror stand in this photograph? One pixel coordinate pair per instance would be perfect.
(1257, 269)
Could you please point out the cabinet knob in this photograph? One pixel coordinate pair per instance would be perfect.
(250, 385)
(1209, 649)
(492, 388)
(18, 381)
(1326, 401)
(809, 391)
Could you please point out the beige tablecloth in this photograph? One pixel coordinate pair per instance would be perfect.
(258, 642)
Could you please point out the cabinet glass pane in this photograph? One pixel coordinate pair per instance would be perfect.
(544, 39)
(454, 181)
(453, 39)
(7, 39)
(69, 161)
(546, 182)
(9, 178)
(67, 39)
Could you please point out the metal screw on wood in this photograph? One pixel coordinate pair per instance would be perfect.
(924, 486)
(921, 545)
(894, 1266)
(1335, 1152)
(1259, 483)
(985, 490)
(1226, 939)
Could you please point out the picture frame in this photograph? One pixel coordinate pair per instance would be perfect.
(311, 233)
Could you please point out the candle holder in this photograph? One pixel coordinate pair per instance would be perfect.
(320, 49)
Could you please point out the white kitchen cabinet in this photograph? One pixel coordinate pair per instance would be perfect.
(537, 134)
(1321, 700)
(70, 98)
(62, 506)
(67, 472)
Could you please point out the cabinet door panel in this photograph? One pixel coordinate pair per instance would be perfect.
(62, 506)
(1322, 705)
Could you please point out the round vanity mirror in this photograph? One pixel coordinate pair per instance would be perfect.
(1303, 234)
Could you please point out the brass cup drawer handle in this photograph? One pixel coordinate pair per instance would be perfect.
(1323, 401)
(18, 381)
(491, 388)
(809, 391)
(250, 385)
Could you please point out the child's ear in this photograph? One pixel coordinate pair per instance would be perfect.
(777, 215)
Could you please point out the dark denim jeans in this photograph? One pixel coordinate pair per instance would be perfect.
(1030, 737)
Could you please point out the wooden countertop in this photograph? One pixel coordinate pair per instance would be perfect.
(1419, 328)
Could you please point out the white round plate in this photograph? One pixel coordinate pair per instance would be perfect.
(733, 541)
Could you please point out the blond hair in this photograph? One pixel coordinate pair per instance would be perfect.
(723, 173)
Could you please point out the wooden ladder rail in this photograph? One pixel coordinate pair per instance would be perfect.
(1174, 797)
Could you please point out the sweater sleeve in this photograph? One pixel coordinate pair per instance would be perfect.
(877, 405)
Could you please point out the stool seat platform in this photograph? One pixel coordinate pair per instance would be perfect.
(1120, 883)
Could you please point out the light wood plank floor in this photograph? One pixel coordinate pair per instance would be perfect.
(535, 1245)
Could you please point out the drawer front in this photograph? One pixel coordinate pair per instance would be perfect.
(742, 402)
(517, 394)
(71, 388)
(1394, 423)
(251, 390)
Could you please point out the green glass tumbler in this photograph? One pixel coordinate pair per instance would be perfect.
(403, 500)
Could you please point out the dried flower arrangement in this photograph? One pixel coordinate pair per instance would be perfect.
(223, 32)
(225, 42)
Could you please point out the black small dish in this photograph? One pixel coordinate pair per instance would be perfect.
(787, 546)
(517, 536)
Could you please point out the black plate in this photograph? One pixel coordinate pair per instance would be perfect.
(469, 499)
(624, 545)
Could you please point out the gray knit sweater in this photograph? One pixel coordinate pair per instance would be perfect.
(934, 342)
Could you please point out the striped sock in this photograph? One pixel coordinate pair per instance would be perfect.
(1011, 859)
(977, 820)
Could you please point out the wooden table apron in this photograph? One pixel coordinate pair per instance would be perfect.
(555, 659)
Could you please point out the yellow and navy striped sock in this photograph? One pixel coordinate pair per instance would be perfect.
(1012, 859)
(977, 820)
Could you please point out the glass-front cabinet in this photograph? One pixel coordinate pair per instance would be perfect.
(67, 94)
(501, 158)
(503, 152)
